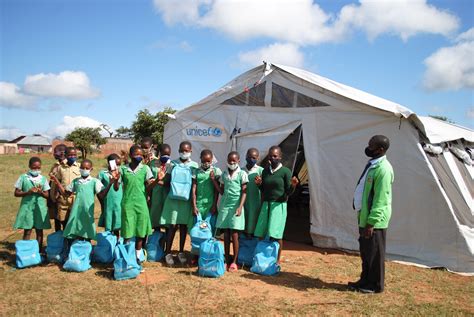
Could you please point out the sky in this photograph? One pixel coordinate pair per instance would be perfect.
(67, 64)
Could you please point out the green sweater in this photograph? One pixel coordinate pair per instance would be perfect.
(377, 196)
(276, 186)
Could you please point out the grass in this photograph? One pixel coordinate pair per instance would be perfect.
(312, 282)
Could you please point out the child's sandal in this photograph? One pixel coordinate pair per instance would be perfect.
(233, 268)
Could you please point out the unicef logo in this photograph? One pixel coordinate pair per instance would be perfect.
(217, 132)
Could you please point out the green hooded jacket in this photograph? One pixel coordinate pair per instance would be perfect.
(377, 196)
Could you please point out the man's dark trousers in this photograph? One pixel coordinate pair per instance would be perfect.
(372, 253)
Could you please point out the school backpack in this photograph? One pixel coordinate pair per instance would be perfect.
(265, 258)
(79, 258)
(104, 249)
(55, 247)
(200, 232)
(247, 247)
(211, 258)
(125, 263)
(181, 181)
(27, 253)
(154, 248)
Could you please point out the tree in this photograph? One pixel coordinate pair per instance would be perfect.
(442, 118)
(147, 124)
(123, 132)
(86, 139)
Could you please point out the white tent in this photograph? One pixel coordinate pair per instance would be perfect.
(433, 218)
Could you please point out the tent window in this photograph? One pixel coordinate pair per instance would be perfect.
(282, 97)
(255, 96)
(305, 101)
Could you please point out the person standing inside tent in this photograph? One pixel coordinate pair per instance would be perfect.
(276, 184)
(373, 203)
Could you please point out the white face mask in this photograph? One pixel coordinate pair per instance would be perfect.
(84, 173)
(185, 155)
(232, 167)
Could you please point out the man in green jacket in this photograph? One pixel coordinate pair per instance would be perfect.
(373, 203)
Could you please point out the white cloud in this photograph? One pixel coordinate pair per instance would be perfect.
(404, 18)
(304, 23)
(69, 123)
(278, 53)
(452, 67)
(67, 84)
(10, 133)
(12, 97)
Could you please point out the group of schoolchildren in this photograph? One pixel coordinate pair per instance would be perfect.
(138, 196)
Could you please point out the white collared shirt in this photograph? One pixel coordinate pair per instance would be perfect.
(235, 174)
(276, 168)
(36, 180)
(81, 180)
(359, 190)
(149, 173)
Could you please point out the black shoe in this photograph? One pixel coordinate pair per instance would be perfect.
(366, 290)
(355, 285)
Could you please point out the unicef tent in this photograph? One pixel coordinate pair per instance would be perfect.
(323, 127)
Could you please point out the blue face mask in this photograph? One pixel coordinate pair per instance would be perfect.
(137, 159)
(164, 159)
(34, 173)
(251, 161)
(85, 173)
(71, 160)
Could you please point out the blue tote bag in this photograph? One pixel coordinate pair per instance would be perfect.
(27, 253)
(79, 258)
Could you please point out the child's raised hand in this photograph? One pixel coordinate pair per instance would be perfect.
(258, 180)
(238, 211)
(212, 175)
(294, 181)
(161, 175)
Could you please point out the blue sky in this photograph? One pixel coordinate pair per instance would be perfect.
(81, 63)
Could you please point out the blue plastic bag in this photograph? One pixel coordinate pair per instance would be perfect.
(79, 258)
(104, 249)
(265, 258)
(181, 182)
(27, 253)
(125, 264)
(247, 247)
(154, 249)
(211, 259)
(200, 232)
(55, 247)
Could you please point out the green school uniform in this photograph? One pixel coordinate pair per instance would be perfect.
(205, 190)
(177, 212)
(230, 201)
(111, 216)
(253, 202)
(276, 186)
(158, 197)
(135, 214)
(80, 223)
(33, 212)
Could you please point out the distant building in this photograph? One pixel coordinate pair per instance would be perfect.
(115, 145)
(32, 143)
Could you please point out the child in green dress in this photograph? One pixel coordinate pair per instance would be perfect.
(276, 184)
(136, 176)
(111, 216)
(80, 224)
(33, 188)
(158, 191)
(178, 212)
(253, 202)
(231, 216)
(203, 194)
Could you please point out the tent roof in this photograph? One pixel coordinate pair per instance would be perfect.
(35, 139)
(438, 131)
(348, 92)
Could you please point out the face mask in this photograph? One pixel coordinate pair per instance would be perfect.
(232, 167)
(84, 173)
(275, 162)
(34, 173)
(71, 160)
(137, 159)
(164, 159)
(184, 155)
(251, 161)
(205, 166)
(369, 152)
